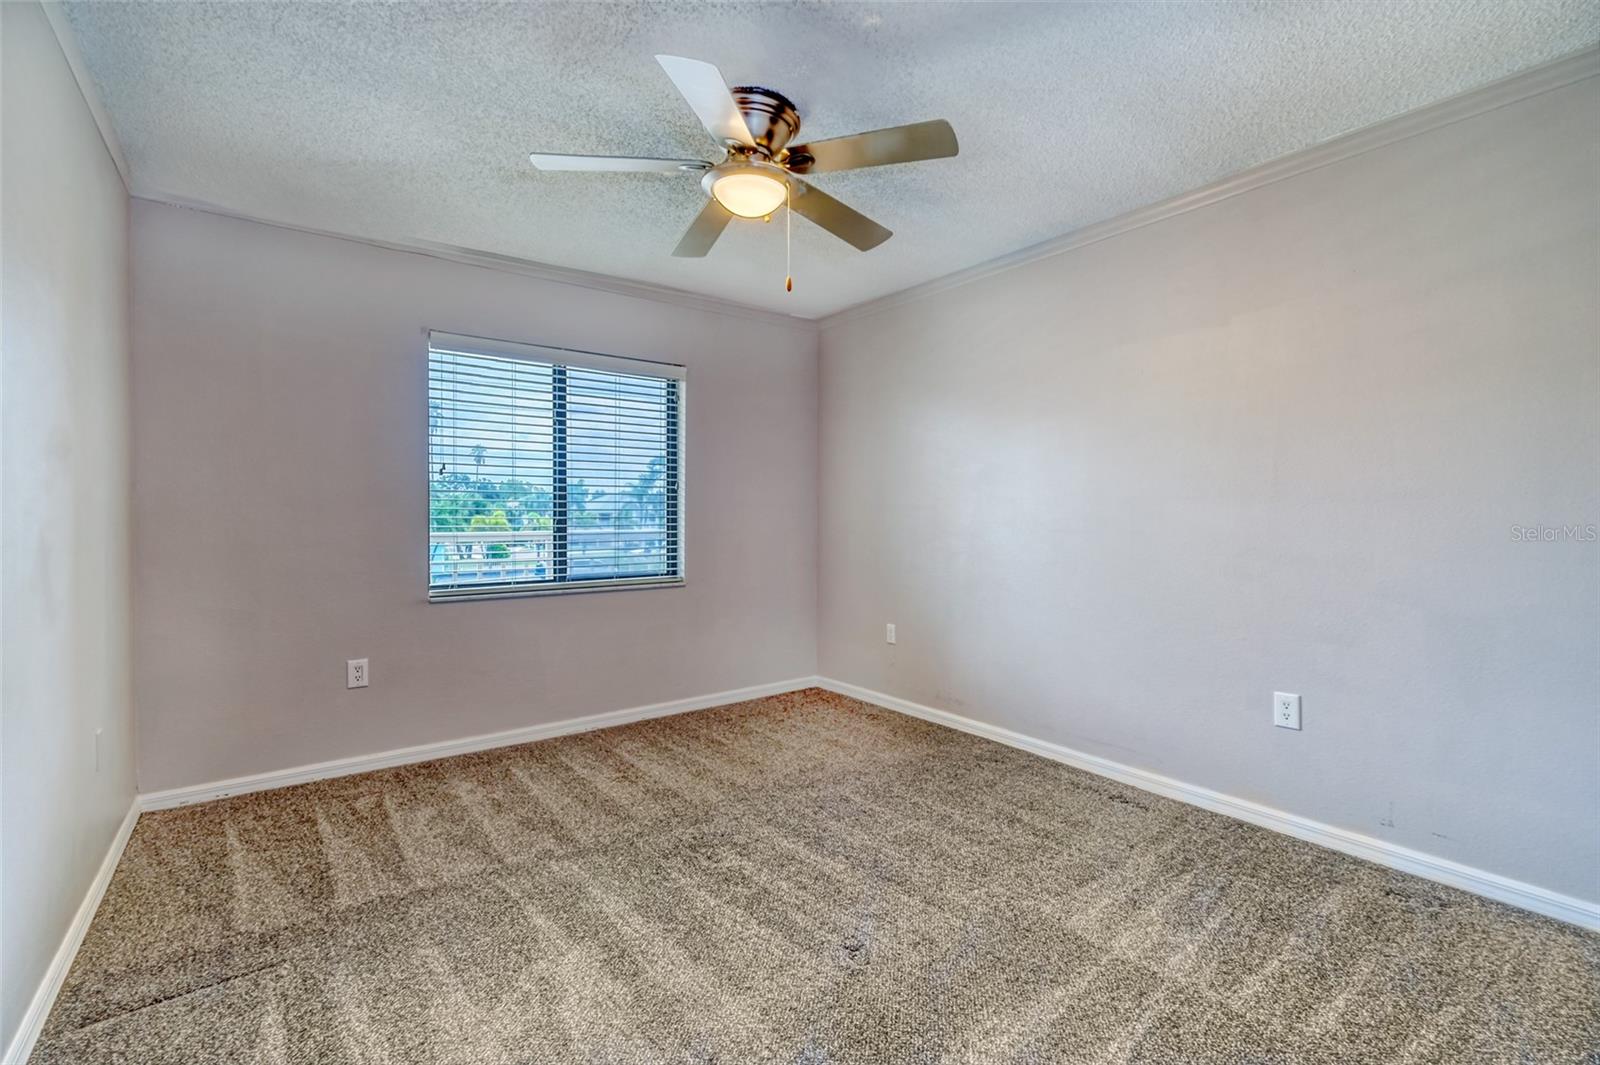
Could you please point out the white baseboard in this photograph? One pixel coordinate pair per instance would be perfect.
(342, 767)
(1442, 870)
(1489, 885)
(45, 997)
(39, 1009)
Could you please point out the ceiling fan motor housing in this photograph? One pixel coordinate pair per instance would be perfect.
(771, 116)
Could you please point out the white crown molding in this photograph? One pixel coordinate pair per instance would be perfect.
(427, 752)
(44, 997)
(62, 28)
(1541, 79)
(560, 275)
(1516, 893)
(57, 16)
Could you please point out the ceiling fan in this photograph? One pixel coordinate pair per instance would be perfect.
(759, 172)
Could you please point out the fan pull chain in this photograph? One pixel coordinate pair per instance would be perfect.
(788, 228)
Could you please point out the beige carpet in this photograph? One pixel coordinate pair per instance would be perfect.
(797, 879)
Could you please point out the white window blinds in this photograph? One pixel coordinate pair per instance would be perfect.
(550, 470)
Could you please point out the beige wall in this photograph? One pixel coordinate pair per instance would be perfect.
(63, 504)
(280, 519)
(1114, 499)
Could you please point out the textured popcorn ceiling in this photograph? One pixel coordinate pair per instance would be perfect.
(412, 122)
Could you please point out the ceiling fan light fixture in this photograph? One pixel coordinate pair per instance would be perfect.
(749, 192)
(761, 171)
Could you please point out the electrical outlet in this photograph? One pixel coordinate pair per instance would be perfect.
(1286, 710)
(888, 633)
(355, 673)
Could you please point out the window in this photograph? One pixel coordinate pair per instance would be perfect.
(550, 470)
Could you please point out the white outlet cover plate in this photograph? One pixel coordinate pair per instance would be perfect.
(1286, 710)
(356, 673)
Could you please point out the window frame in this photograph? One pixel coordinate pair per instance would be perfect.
(559, 359)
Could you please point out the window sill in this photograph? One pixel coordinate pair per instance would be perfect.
(529, 592)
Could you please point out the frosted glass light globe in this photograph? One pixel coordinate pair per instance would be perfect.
(749, 193)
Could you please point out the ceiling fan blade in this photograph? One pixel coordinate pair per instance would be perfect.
(703, 86)
(703, 231)
(619, 163)
(897, 144)
(846, 223)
